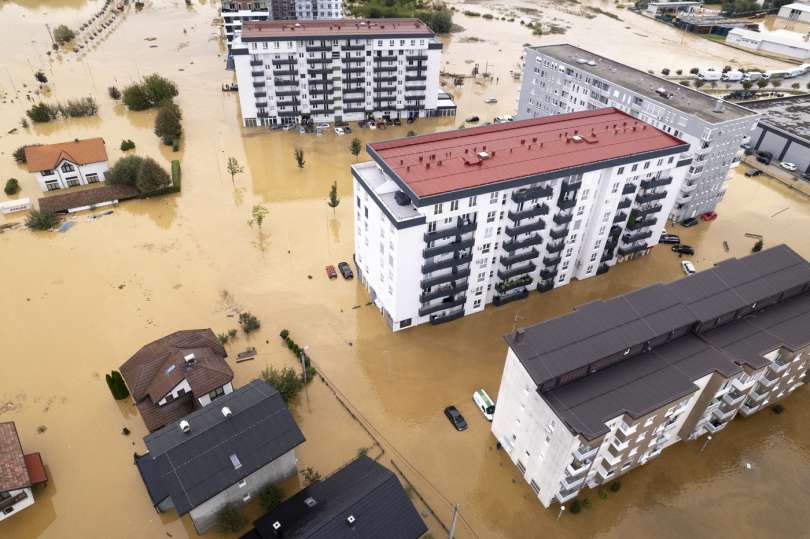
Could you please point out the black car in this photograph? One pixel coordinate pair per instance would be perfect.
(692, 221)
(670, 238)
(472, 119)
(345, 270)
(683, 249)
(764, 157)
(751, 172)
(455, 417)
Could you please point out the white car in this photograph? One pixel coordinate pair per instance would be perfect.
(491, 100)
(688, 267)
(484, 403)
(788, 166)
(339, 131)
(503, 118)
(322, 126)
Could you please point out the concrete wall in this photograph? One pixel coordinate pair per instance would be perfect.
(204, 515)
(788, 12)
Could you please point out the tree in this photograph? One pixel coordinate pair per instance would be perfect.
(135, 98)
(62, 34)
(41, 220)
(117, 386)
(334, 199)
(12, 187)
(258, 212)
(158, 89)
(41, 113)
(299, 157)
(19, 153)
(249, 322)
(747, 84)
(127, 145)
(795, 85)
(776, 83)
(270, 496)
(285, 381)
(311, 475)
(679, 72)
(167, 122)
(665, 71)
(356, 147)
(40, 76)
(114, 92)
(230, 518)
(151, 176)
(699, 83)
(762, 83)
(233, 167)
(694, 71)
(124, 171)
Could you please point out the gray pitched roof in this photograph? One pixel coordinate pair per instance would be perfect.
(363, 489)
(192, 467)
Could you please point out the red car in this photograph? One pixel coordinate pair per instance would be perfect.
(709, 216)
(330, 271)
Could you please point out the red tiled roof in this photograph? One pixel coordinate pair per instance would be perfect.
(361, 28)
(36, 469)
(81, 152)
(445, 162)
(13, 472)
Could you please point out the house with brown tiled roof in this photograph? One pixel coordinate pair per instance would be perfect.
(18, 473)
(67, 164)
(171, 377)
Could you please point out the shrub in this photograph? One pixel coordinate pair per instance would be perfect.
(615, 486)
(41, 113)
(77, 108)
(603, 494)
(694, 71)
(249, 322)
(62, 34)
(151, 176)
(117, 386)
(586, 503)
(777, 409)
(124, 171)
(232, 333)
(679, 71)
(471, 13)
(19, 153)
(284, 334)
(310, 475)
(135, 98)
(167, 121)
(665, 71)
(487, 16)
(757, 246)
(114, 92)
(576, 507)
(684, 83)
(795, 85)
(270, 496)
(127, 145)
(12, 187)
(699, 83)
(230, 519)
(285, 381)
(223, 338)
(158, 89)
(40, 76)
(41, 220)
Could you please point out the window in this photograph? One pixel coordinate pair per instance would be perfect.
(476, 303)
(47, 172)
(472, 201)
(67, 167)
(437, 209)
(485, 248)
(491, 217)
(52, 185)
(218, 392)
(454, 205)
(493, 197)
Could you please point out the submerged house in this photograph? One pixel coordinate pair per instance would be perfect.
(18, 473)
(67, 164)
(221, 454)
(171, 377)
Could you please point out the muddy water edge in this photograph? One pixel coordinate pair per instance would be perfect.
(76, 305)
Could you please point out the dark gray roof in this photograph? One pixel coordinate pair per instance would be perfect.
(791, 114)
(192, 467)
(363, 489)
(577, 344)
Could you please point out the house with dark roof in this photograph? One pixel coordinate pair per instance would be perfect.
(171, 377)
(67, 164)
(18, 473)
(361, 500)
(221, 454)
(591, 395)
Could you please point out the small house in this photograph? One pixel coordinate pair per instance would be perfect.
(18, 473)
(67, 164)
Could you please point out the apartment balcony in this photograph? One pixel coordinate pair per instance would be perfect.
(566, 496)
(683, 198)
(628, 189)
(462, 227)
(655, 182)
(513, 231)
(320, 61)
(642, 223)
(508, 298)
(650, 197)
(630, 249)
(724, 415)
(571, 483)
(743, 386)
(380, 80)
(577, 468)
(259, 84)
(520, 270)
(319, 48)
(447, 317)
(566, 204)
(257, 73)
(625, 203)
(688, 187)
(315, 74)
(545, 286)
(620, 445)
(288, 61)
(778, 366)
(261, 104)
(286, 83)
(444, 291)
(451, 277)
(526, 242)
(12, 501)
(256, 63)
(608, 255)
(733, 399)
(349, 70)
(758, 395)
(554, 248)
(287, 93)
(749, 408)
(417, 88)
(356, 80)
(353, 47)
(558, 233)
(453, 247)
(452, 262)
(548, 274)
(443, 306)
(551, 261)
(413, 78)
(647, 210)
(417, 58)
(511, 284)
(767, 382)
(539, 209)
(259, 94)
(632, 238)
(353, 60)
(541, 191)
(620, 217)
(508, 260)
(561, 219)
(714, 426)
(567, 187)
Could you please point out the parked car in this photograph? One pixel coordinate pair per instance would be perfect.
(764, 157)
(709, 216)
(345, 270)
(455, 417)
(788, 166)
(687, 267)
(670, 238)
(689, 222)
(484, 403)
(503, 118)
(330, 272)
(751, 172)
(323, 125)
(683, 249)
(472, 119)
(289, 126)
(491, 100)
(339, 131)
(347, 130)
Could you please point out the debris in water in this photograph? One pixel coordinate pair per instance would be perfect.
(725, 245)
(755, 236)
(247, 355)
(121, 286)
(41, 429)
(125, 431)
(67, 225)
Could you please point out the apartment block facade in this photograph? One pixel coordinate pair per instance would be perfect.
(565, 78)
(498, 211)
(344, 70)
(591, 395)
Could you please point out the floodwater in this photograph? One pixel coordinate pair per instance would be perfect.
(76, 305)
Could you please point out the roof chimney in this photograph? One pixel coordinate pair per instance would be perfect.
(189, 359)
(185, 426)
(350, 521)
(226, 412)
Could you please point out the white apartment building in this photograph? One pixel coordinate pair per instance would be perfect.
(67, 164)
(499, 210)
(344, 70)
(591, 395)
(565, 78)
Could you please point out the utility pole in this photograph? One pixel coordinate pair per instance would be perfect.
(50, 33)
(562, 510)
(452, 531)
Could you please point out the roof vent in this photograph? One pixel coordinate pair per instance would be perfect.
(185, 426)
(591, 63)
(310, 502)
(483, 155)
(577, 138)
(189, 358)
(582, 61)
(350, 521)
(277, 528)
(226, 412)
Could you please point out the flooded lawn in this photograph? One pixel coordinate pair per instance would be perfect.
(77, 304)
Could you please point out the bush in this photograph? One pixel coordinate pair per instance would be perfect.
(135, 98)
(576, 507)
(12, 187)
(487, 16)
(285, 381)
(117, 386)
(77, 108)
(270, 496)
(151, 176)
(62, 34)
(249, 322)
(310, 475)
(757, 246)
(158, 89)
(19, 153)
(114, 92)
(684, 83)
(41, 113)
(665, 71)
(615, 486)
(41, 220)
(694, 71)
(230, 519)
(40, 76)
(124, 171)
(679, 71)
(127, 145)
(167, 122)
(284, 334)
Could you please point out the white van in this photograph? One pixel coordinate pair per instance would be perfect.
(503, 118)
(756, 75)
(709, 75)
(795, 72)
(21, 204)
(484, 403)
(776, 74)
(732, 76)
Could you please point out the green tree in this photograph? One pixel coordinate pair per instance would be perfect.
(135, 97)
(62, 34)
(285, 381)
(762, 83)
(249, 322)
(19, 153)
(151, 176)
(127, 145)
(270, 496)
(699, 83)
(12, 187)
(233, 167)
(334, 199)
(356, 147)
(117, 386)
(158, 89)
(747, 84)
(41, 220)
(167, 122)
(311, 475)
(124, 171)
(776, 83)
(114, 92)
(230, 518)
(299, 157)
(41, 113)
(258, 213)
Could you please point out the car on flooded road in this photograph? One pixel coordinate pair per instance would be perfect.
(683, 249)
(345, 270)
(709, 216)
(339, 131)
(670, 239)
(751, 172)
(455, 418)
(692, 221)
(330, 272)
(484, 404)
(491, 100)
(788, 166)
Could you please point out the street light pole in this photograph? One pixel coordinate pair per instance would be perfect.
(452, 531)
(301, 356)
(562, 510)
(705, 443)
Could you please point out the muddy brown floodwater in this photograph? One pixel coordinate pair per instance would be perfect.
(76, 305)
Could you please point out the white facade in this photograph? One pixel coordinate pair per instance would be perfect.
(14, 501)
(559, 79)
(778, 42)
(795, 12)
(69, 174)
(497, 245)
(206, 399)
(344, 78)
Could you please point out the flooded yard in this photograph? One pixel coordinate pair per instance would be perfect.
(78, 304)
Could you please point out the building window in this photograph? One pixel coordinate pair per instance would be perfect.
(476, 303)
(454, 205)
(437, 209)
(92, 178)
(52, 185)
(218, 392)
(493, 197)
(67, 167)
(491, 217)
(47, 172)
(472, 201)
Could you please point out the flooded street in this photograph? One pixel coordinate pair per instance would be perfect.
(77, 305)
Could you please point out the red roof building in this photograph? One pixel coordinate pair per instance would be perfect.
(18, 472)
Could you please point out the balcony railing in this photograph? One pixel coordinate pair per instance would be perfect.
(650, 197)
(642, 223)
(630, 249)
(655, 182)
(444, 291)
(513, 231)
(430, 309)
(452, 262)
(628, 189)
(566, 204)
(255, 63)
(14, 500)
(451, 277)
(553, 248)
(632, 238)
(558, 233)
(560, 219)
(511, 284)
(551, 261)
(447, 317)
(541, 191)
(620, 217)
(508, 260)
(526, 242)
(778, 366)
(539, 209)
(584, 452)
(548, 275)
(625, 203)
(514, 271)
(447, 248)
(507, 298)
(462, 227)
(733, 398)
(647, 210)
